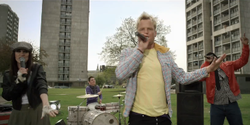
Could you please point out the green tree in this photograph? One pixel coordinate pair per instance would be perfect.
(99, 80)
(125, 38)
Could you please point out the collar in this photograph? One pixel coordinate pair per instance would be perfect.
(160, 48)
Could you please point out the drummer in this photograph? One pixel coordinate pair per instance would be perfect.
(92, 88)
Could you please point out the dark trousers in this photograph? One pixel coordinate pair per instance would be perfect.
(139, 119)
(230, 111)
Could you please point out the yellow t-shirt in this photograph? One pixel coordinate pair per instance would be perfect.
(150, 98)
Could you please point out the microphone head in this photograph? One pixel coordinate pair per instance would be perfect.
(22, 59)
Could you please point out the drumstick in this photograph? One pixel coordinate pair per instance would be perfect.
(102, 87)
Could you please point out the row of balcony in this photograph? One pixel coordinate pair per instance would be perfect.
(63, 72)
(195, 49)
(65, 23)
(64, 58)
(66, 16)
(64, 44)
(66, 3)
(65, 30)
(63, 65)
(64, 37)
(64, 51)
(67, 10)
(228, 51)
(63, 79)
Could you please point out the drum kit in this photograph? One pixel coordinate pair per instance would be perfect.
(95, 114)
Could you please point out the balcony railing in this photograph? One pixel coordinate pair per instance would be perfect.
(195, 67)
(190, 59)
(199, 20)
(194, 31)
(227, 51)
(218, 53)
(217, 28)
(226, 40)
(194, 13)
(216, 43)
(224, 7)
(234, 14)
(216, 11)
(200, 29)
(236, 49)
(189, 25)
(233, 3)
(225, 18)
(195, 58)
(200, 47)
(216, 1)
(194, 22)
(195, 49)
(190, 33)
(217, 22)
(233, 38)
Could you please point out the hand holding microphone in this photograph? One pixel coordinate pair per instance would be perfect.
(143, 38)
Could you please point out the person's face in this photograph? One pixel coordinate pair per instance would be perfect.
(21, 53)
(209, 58)
(92, 82)
(146, 27)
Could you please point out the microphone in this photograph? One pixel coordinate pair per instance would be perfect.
(22, 62)
(143, 38)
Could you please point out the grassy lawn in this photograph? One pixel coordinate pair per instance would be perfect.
(67, 98)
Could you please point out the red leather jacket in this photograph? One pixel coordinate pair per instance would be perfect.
(228, 67)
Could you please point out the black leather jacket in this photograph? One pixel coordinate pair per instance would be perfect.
(34, 88)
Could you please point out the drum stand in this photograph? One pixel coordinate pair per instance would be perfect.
(78, 111)
(119, 110)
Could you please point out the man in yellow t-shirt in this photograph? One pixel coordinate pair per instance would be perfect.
(149, 69)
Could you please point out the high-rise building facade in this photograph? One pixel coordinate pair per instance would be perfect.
(216, 26)
(64, 37)
(8, 23)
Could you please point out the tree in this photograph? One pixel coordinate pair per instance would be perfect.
(125, 38)
(99, 80)
(5, 54)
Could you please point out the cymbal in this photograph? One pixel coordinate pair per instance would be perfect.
(87, 96)
(118, 95)
(124, 92)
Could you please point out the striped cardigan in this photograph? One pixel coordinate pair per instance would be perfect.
(128, 68)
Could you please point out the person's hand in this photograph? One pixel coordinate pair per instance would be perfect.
(244, 40)
(215, 63)
(99, 93)
(20, 72)
(48, 110)
(142, 45)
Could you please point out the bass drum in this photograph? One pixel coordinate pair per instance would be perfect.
(99, 118)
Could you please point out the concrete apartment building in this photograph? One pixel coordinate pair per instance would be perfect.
(216, 26)
(64, 36)
(8, 23)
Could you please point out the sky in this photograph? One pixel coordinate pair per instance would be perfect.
(105, 16)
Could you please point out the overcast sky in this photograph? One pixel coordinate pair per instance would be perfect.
(105, 17)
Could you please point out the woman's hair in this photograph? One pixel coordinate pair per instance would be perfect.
(145, 16)
(14, 67)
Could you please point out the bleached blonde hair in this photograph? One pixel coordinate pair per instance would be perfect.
(145, 16)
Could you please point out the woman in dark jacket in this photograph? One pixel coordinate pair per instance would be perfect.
(25, 85)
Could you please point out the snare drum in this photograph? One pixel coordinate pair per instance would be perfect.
(99, 118)
(72, 116)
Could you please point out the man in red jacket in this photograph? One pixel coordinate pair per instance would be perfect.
(222, 89)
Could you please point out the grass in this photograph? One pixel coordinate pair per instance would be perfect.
(67, 98)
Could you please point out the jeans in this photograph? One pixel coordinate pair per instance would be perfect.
(231, 111)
